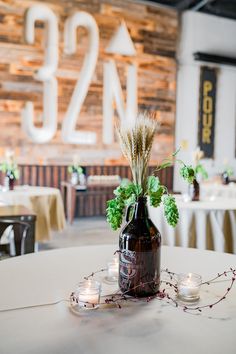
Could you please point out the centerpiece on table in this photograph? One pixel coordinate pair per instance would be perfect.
(227, 173)
(76, 172)
(140, 240)
(10, 168)
(195, 175)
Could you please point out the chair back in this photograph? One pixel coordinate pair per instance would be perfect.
(20, 229)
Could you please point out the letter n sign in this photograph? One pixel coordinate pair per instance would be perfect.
(207, 104)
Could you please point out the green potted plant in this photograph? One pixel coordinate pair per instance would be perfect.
(198, 172)
(75, 171)
(139, 240)
(227, 173)
(10, 168)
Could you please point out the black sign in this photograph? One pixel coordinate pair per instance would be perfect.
(207, 104)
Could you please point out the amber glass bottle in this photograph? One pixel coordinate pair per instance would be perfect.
(194, 190)
(11, 180)
(225, 178)
(140, 251)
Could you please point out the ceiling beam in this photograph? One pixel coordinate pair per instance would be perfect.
(201, 4)
(186, 4)
(213, 58)
(222, 11)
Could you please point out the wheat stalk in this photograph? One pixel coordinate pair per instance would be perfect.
(136, 143)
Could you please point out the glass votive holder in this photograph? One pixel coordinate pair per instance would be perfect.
(88, 294)
(113, 270)
(186, 197)
(188, 287)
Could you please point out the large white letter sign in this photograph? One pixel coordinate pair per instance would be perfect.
(44, 74)
(83, 19)
(112, 91)
(121, 44)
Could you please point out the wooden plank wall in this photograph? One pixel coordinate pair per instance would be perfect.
(87, 204)
(154, 31)
(52, 176)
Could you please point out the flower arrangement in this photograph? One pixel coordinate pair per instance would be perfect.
(76, 174)
(9, 166)
(228, 170)
(136, 143)
(75, 169)
(191, 174)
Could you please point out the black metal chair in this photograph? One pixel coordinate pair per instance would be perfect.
(20, 230)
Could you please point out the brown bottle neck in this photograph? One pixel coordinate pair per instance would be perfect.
(140, 208)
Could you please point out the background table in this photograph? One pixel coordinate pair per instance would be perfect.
(21, 213)
(218, 190)
(91, 199)
(45, 202)
(205, 224)
(139, 328)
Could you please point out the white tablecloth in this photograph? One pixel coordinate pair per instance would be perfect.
(207, 224)
(45, 202)
(209, 190)
(151, 328)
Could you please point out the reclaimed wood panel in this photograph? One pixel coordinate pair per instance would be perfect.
(93, 201)
(154, 31)
(52, 176)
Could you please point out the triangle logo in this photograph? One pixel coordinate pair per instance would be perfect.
(121, 43)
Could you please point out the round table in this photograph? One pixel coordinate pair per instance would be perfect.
(205, 224)
(144, 327)
(45, 202)
(218, 190)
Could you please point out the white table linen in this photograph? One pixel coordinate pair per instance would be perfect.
(136, 328)
(214, 190)
(45, 202)
(204, 224)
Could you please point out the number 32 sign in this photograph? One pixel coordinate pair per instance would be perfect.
(46, 74)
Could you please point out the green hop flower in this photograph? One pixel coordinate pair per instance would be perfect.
(188, 173)
(171, 210)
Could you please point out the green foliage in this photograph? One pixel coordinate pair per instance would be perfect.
(126, 191)
(10, 169)
(115, 211)
(229, 171)
(126, 194)
(176, 152)
(170, 210)
(188, 173)
(153, 183)
(164, 165)
(168, 162)
(75, 169)
(155, 191)
(199, 169)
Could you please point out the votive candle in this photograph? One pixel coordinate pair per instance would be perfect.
(88, 294)
(188, 286)
(113, 269)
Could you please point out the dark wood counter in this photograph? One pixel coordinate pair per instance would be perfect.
(90, 201)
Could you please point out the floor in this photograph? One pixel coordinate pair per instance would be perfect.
(84, 231)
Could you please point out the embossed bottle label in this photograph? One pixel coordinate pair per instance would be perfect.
(128, 264)
(137, 268)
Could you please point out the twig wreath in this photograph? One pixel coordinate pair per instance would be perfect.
(117, 298)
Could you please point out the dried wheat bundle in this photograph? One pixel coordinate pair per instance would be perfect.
(136, 143)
